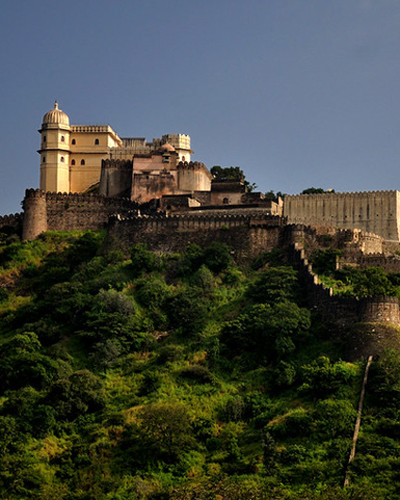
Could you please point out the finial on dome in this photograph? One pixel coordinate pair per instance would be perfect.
(56, 115)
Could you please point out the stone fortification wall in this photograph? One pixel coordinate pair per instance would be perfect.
(390, 263)
(193, 176)
(374, 212)
(247, 233)
(11, 222)
(381, 309)
(116, 178)
(343, 312)
(67, 212)
(349, 240)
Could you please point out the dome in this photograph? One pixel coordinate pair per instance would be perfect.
(167, 147)
(56, 116)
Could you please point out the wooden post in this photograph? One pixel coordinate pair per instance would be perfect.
(358, 422)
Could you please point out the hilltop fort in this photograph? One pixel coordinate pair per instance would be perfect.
(152, 191)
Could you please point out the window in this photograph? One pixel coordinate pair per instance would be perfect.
(62, 138)
(73, 141)
(165, 159)
(62, 159)
(225, 201)
(72, 162)
(44, 159)
(44, 138)
(97, 142)
(82, 162)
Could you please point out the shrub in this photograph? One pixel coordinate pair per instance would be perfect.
(187, 311)
(143, 261)
(322, 378)
(197, 373)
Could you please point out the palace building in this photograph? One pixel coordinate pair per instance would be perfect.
(71, 156)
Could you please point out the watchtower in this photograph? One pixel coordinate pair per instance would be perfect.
(55, 151)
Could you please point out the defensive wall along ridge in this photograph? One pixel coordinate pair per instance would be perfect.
(247, 233)
(44, 211)
(371, 211)
(343, 312)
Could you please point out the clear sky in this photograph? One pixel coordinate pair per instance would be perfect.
(298, 93)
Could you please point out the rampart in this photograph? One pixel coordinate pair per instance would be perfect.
(11, 222)
(343, 312)
(67, 212)
(247, 233)
(348, 240)
(389, 263)
(375, 212)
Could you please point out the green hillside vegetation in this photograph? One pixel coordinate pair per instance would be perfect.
(179, 376)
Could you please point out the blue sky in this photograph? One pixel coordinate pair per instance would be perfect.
(298, 93)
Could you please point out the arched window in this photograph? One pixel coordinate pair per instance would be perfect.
(44, 159)
(225, 201)
(62, 138)
(62, 159)
(97, 142)
(72, 162)
(73, 141)
(82, 162)
(44, 138)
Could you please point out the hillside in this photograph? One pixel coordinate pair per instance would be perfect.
(181, 376)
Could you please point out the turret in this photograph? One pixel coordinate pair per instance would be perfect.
(55, 151)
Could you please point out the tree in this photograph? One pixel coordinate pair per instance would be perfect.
(231, 173)
(313, 190)
(274, 284)
(143, 261)
(164, 431)
(80, 393)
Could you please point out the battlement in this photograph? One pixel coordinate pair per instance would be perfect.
(343, 312)
(68, 211)
(256, 217)
(90, 198)
(180, 141)
(348, 194)
(12, 221)
(375, 212)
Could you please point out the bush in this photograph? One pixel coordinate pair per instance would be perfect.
(197, 373)
(152, 292)
(322, 378)
(324, 261)
(217, 257)
(187, 311)
(143, 261)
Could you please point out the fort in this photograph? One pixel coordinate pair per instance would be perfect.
(153, 193)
